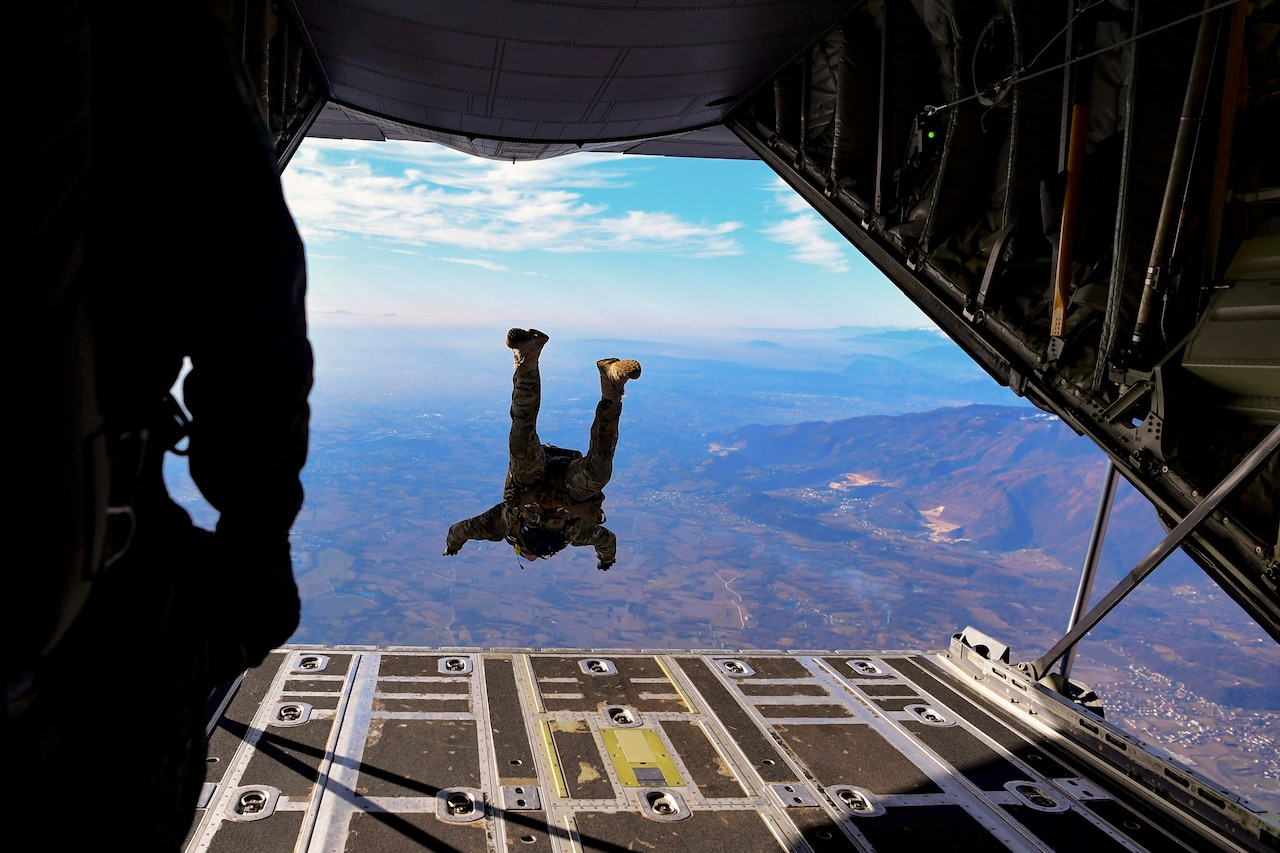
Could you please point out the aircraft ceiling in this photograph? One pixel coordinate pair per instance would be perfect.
(527, 80)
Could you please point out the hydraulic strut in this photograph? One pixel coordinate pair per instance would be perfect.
(1256, 457)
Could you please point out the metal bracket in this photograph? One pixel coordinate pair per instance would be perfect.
(251, 802)
(975, 310)
(795, 796)
(983, 644)
(456, 665)
(855, 801)
(521, 798)
(735, 668)
(460, 805)
(597, 666)
(661, 804)
(291, 714)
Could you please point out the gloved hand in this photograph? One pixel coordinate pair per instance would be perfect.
(449, 552)
(604, 567)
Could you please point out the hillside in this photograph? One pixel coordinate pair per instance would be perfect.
(992, 478)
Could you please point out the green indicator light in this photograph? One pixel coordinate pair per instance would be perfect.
(932, 134)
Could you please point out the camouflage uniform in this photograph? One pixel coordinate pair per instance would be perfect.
(548, 488)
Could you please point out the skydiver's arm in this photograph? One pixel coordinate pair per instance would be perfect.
(605, 543)
(490, 525)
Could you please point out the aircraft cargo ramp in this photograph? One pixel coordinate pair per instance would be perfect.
(357, 748)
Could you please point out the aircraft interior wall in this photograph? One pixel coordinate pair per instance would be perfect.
(972, 150)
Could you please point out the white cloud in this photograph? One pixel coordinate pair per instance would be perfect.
(475, 262)
(808, 241)
(642, 230)
(785, 197)
(804, 231)
(417, 194)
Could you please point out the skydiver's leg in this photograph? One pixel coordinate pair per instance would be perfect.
(527, 460)
(588, 475)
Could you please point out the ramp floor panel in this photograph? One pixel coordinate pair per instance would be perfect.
(529, 750)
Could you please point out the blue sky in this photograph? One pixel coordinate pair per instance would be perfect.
(416, 233)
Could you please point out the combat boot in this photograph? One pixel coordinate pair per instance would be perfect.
(614, 375)
(527, 344)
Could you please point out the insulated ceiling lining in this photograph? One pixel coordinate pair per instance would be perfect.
(560, 76)
(337, 122)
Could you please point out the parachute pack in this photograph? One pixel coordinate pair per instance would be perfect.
(546, 499)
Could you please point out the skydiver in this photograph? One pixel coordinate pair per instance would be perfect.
(553, 496)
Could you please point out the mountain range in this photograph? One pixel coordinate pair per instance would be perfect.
(995, 477)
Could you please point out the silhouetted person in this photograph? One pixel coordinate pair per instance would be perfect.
(153, 229)
(553, 496)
